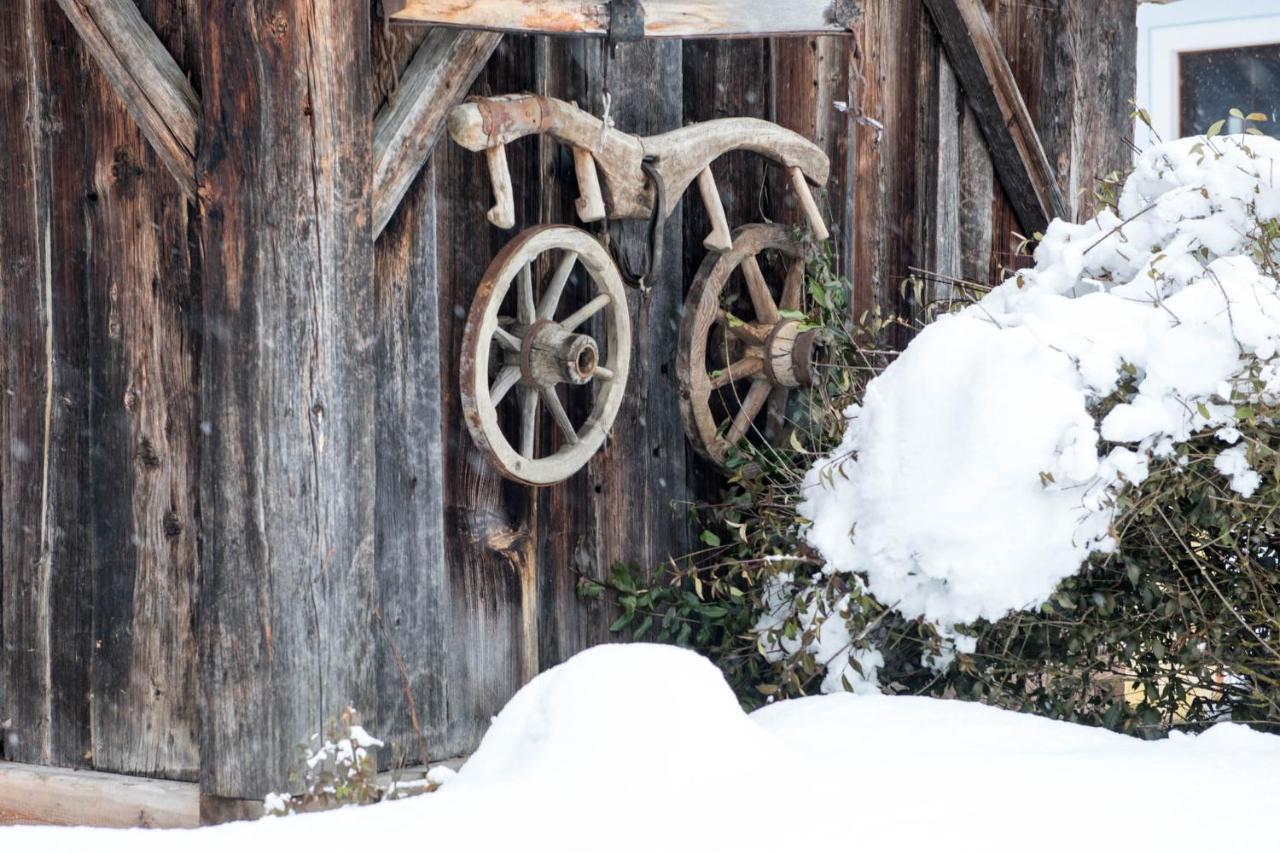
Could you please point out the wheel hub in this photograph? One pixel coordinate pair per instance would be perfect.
(789, 354)
(550, 355)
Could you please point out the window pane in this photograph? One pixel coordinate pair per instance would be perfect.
(1215, 81)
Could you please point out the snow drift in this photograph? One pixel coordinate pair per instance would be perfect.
(632, 748)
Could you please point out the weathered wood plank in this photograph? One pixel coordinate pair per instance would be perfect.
(1101, 40)
(988, 82)
(977, 189)
(287, 463)
(144, 422)
(641, 483)
(96, 799)
(45, 448)
(146, 77)
(812, 90)
(662, 18)
(408, 127)
(410, 551)
(947, 256)
(490, 525)
(884, 203)
(619, 507)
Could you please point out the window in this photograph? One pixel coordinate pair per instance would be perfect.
(1198, 59)
(1212, 82)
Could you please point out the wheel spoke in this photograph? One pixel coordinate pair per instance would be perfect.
(751, 405)
(506, 340)
(552, 401)
(739, 370)
(528, 421)
(524, 295)
(761, 299)
(793, 291)
(739, 329)
(551, 298)
(585, 313)
(604, 373)
(507, 378)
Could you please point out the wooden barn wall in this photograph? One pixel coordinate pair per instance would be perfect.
(99, 417)
(107, 360)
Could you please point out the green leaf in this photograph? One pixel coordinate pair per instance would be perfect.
(1215, 128)
(710, 538)
(1236, 113)
(767, 689)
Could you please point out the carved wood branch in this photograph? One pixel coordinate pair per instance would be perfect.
(408, 127)
(146, 77)
(988, 83)
(660, 18)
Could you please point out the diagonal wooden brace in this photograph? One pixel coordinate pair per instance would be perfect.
(408, 127)
(145, 76)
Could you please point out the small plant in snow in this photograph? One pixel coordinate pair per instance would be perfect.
(337, 768)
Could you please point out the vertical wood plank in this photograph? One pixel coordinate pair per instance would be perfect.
(47, 584)
(636, 486)
(287, 464)
(977, 188)
(490, 524)
(811, 95)
(410, 550)
(885, 190)
(145, 424)
(1104, 80)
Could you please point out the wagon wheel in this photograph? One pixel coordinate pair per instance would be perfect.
(732, 369)
(525, 358)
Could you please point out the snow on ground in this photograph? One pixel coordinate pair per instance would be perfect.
(973, 477)
(643, 748)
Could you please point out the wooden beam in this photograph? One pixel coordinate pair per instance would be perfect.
(287, 582)
(95, 799)
(662, 18)
(992, 91)
(148, 80)
(409, 125)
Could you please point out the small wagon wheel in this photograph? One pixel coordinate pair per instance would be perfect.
(525, 357)
(730, 369)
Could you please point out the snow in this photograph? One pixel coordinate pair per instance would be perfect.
(981, 470)
(628, 748)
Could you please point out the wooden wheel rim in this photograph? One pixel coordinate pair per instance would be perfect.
(479, 409)
(702, 308)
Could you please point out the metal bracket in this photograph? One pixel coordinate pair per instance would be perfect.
(626, 20)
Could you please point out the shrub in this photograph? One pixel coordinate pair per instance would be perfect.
(1173, 620)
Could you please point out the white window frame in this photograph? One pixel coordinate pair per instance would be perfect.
(1191, 26)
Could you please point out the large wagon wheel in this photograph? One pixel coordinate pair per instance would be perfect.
(525, 357)
(730, 368)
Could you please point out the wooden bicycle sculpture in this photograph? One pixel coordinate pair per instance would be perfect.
(526, 349)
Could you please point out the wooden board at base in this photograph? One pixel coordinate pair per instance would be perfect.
(32, 794)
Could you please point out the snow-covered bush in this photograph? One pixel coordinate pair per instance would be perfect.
(339, 768)
(1062, 496)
